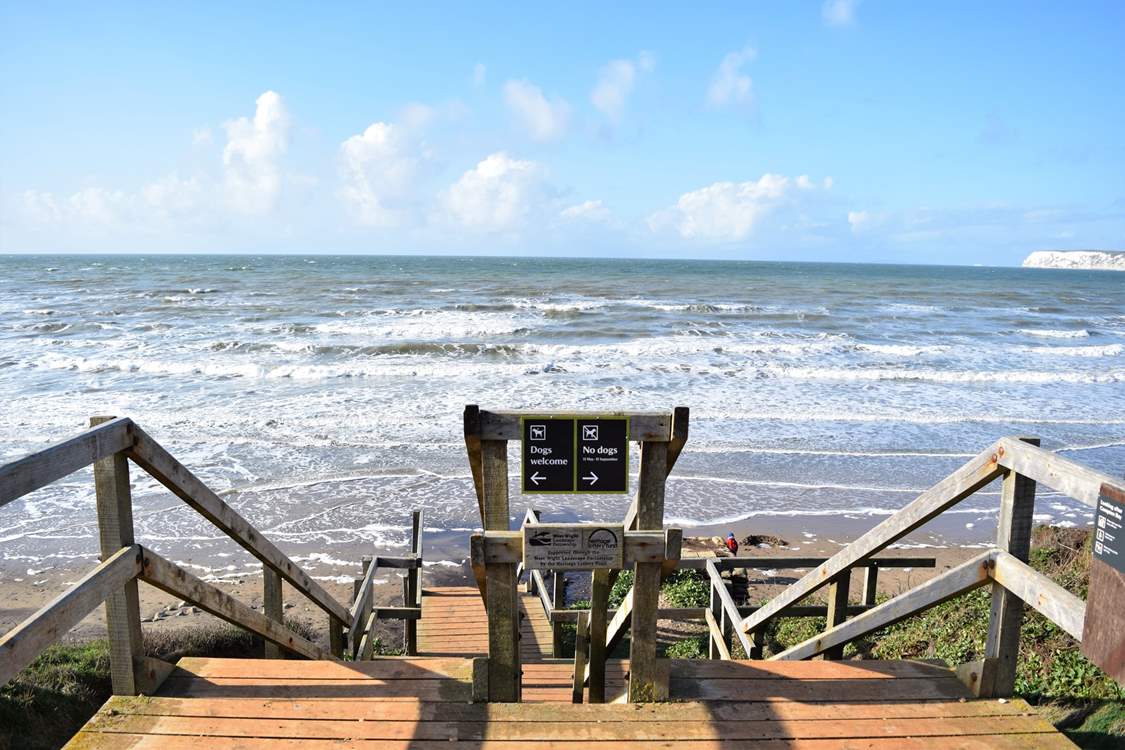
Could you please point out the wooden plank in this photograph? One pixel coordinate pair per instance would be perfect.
(581, 645)
(272, 607)
(841, 691)
(20, 645)
(361, 607)
(473, 449)
(438, 689)
(500, 581)
(971, 574)
(122, 607)
(154, 459)
(870, 585)
(41, 468)
(366, 648)
(175, 580)
(652, 426)
(558, 601)
(412, 593)
(686, 614)
(1013, 535)
(717, 638)
(552, 731)
(865, 669)
(117, 740)
(645, 683)
(838, 591)
(1060, 474)
(719, 588)
(963, 482)
(1044, 595)
(387, 668)
(424, 711)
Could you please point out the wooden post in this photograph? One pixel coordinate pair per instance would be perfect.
(272, 606)
(870, 584)
(413, 585)
(558, 601)
(581, 642)
(1013, 535)
(335, 637)
(500, 581)
(645, 684)
(122, 607)
(838, 591)
(758, 642)
(713, 651)
(599, 606)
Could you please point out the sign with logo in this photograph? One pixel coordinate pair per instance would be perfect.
(563, 454)
(559, 546)
(1109, 533)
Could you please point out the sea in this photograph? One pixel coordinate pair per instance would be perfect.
(322, 396)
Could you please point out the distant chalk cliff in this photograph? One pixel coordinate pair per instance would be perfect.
(1097, 260)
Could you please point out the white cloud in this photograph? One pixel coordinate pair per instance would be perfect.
(252, 174)
(172, 196)
(727, 211)
(201, 137)
(586, 211)
(41, 207)
(480, 74)
(730, 84)
(497, 194)
(545, 120)
(863, 221)
(379, 166)
(98, 205)
(839, 12)
(615, 82)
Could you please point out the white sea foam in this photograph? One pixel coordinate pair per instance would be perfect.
(1081, 333)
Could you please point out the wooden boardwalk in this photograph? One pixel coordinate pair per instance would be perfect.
(423, 703)
(454, 623)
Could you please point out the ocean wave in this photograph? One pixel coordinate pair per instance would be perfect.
(1106, 350)
(1047, 333)
(941, 376)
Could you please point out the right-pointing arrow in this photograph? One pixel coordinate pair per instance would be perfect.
(592, 479)
(536, 478)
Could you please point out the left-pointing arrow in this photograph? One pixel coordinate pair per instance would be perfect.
(536, 478)
(592, 479)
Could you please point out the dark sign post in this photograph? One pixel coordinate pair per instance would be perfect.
(575, 454)
(548, 455)
(603, 455)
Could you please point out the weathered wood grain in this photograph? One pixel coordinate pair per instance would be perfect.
(973, 475)
(1041, 593)
(154, 459)
(653, 426)
(51, 464)
(971, 574)
(175, 580)
(20, 645)
(1060, 474)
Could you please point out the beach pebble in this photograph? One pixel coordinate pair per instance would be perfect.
(289, 605)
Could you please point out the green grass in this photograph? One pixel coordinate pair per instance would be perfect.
(52, 698)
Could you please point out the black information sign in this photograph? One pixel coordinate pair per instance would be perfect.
(575, 454)
(603, 455)
(1109, 533)
(548, 455)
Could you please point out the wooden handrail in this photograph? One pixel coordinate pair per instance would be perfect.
(173, 579)
(153, 458)
(1044, 595)
(715, 633)
(362, 605)
(51, 464)
(1060, 474)
(719, 586)
(973, 475)
(971, 574)
(20, 645)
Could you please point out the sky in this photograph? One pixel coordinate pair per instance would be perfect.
(847, 130)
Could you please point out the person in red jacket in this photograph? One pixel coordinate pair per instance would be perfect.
(732, 544)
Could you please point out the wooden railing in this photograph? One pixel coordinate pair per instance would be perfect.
(109, 445)
(364, 614)
(1022, 465)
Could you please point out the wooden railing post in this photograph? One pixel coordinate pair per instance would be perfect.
(272, 606)
(599, 605)
(870, 583)
(838, 591)
(413, 584)
(645, 676)
(1013, 535)
(504, 673)
(122, 607)
(558, 601)
(716, 607)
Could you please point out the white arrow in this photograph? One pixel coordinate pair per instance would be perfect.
(592, 479)
(536, 478)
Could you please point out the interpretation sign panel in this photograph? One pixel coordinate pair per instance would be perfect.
(565, 454)
(560, 546)
(1102, 641)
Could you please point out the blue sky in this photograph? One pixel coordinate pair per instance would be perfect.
(957, 132)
